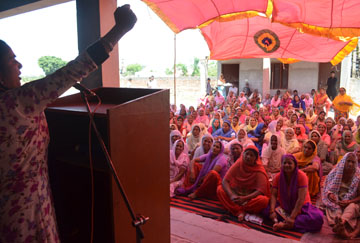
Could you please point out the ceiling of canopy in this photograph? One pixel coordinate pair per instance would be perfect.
(291, 30)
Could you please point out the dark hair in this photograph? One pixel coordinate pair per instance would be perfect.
(322, 112)
(313, 145)
(221, 144)
(295, 90)
(332, 72)
(254, 151)
(180, 117)
(302, 115)
(4, 50)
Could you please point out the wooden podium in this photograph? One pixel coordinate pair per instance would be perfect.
(135, 128)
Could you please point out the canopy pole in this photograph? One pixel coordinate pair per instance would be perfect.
(174, 68)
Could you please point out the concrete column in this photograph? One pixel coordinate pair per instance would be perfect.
(266, 76)
(94, 19)
(345, 72)
(203, 76)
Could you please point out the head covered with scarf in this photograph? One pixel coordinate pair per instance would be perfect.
(288, 199)
(183, 158)
(209, 164)
(243, 176)
(172, 134)
(334, 180)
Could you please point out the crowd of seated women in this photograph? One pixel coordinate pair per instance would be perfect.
(270, 157)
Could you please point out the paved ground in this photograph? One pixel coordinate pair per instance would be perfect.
(191, 228)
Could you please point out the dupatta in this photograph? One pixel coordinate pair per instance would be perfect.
(207, 167)
(288, 200)
(181, 161)
(240, 175)
(302, 160)
(345, 108)
(333, 183)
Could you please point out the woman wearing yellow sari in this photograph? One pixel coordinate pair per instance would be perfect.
(321, 101)
(343, 104)
(310, 163)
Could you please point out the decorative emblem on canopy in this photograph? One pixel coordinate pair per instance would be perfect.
(267, 40)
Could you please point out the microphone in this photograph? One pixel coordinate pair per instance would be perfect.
(82, 88)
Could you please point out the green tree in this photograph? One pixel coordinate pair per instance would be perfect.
(169, 71)
(50, 64)
(212, 69)
(131, 69)
(26, 79)
(195, 66)
(182, 68)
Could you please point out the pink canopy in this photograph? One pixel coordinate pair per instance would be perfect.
(187, 14)
(291, 30)
(257, 37)
(337, 19)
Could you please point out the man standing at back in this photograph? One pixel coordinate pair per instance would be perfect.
(331, 86)
(208, 86)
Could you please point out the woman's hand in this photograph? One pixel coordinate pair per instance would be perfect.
(332, 197)
(273, 217)
(289, 223)
(192, 176)
(344, 203)
(240, 200)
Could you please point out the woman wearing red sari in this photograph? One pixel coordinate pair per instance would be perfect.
(245, 187)
(321, 101)
(203, 179)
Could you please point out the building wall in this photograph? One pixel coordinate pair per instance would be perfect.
(251, 70)
(303, 76)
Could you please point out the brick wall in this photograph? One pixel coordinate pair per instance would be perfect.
(187, 88)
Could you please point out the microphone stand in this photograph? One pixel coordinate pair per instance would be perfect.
(137, 220)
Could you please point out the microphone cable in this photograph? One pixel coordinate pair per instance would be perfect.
(92, 171)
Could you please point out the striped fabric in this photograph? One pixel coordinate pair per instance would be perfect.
(214, 210)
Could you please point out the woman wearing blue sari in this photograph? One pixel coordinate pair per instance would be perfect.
(298, 104)
(225, 134)
(258, 135)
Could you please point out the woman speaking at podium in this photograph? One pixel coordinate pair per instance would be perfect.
(26, 209)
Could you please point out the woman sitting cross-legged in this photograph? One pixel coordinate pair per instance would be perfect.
(290, 205)
(179, 162)
(310, 163)
(203, 179)
(245, 187)
(341, 196)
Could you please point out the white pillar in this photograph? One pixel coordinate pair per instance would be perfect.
(266, 76)
(203, 76)
(345, 72)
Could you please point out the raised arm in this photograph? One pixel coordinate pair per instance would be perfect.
(33, 97)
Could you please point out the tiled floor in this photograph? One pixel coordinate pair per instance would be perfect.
(191, 228)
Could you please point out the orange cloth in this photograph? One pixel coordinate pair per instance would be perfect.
(197, 168)
(242, 177)
(255, 205)
(207, 189)
(314, 177)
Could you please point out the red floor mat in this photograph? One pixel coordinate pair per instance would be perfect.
(213, 209)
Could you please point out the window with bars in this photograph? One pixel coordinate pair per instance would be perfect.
(279, 76)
